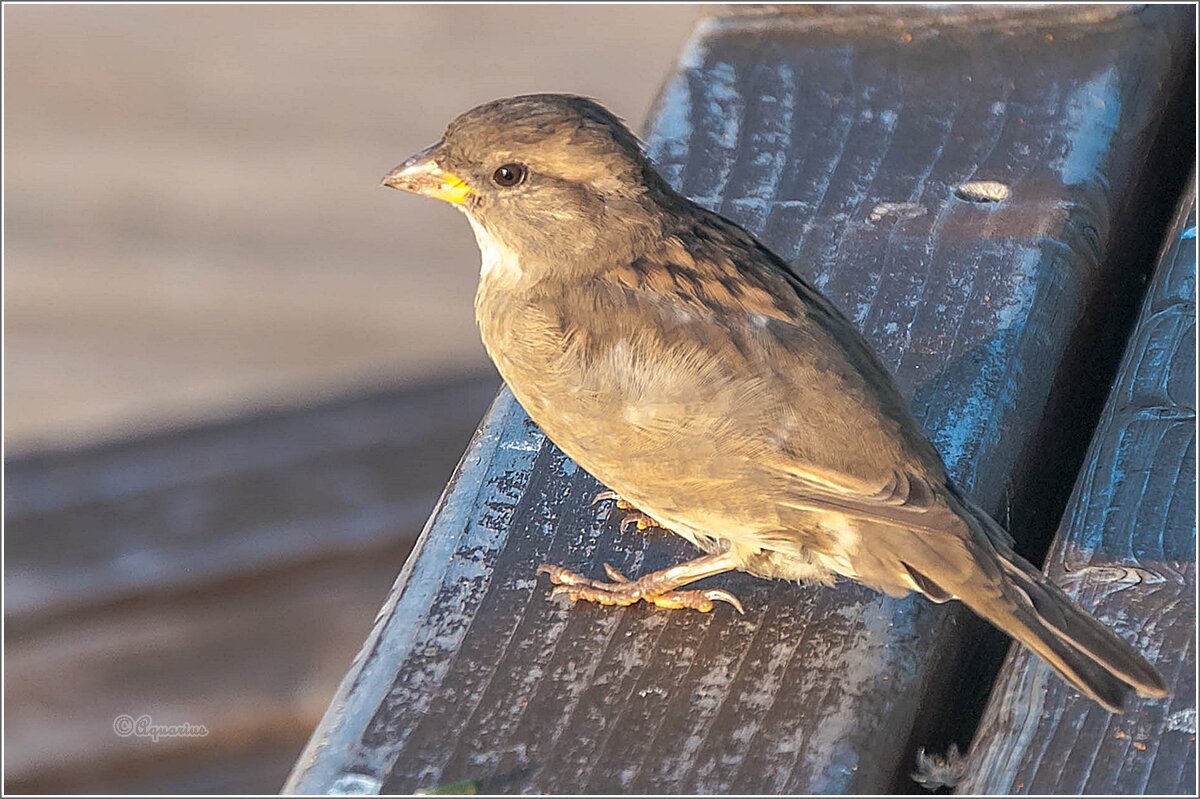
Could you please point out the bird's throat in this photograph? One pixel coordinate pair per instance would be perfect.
(498, 261)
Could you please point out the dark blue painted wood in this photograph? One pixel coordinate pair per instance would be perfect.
(1127, 552)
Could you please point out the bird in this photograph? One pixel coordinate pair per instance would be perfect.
(716, 393)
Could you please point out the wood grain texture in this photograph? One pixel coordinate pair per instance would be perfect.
(1127, 552)
(254, 661)
(169, 511)
(800, 129)
(220, 576)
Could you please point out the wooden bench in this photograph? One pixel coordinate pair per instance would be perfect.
(854, 143)
(1127, 551)
(221, 576)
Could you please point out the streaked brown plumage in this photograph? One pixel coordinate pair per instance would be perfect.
(711, 386)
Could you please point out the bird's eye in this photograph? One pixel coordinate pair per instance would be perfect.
(509, 175)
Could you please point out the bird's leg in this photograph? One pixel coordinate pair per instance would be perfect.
(656, 587)
(632, 516)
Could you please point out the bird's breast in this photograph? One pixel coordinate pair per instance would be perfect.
(560, 368)
(644, 410)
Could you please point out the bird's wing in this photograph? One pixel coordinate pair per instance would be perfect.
(833, 430)
(904, 493)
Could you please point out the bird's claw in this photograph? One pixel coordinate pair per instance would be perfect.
(632, 516)
(622, 591)
(614, 575)
(721, 595)
(607, 494)
(639, 520)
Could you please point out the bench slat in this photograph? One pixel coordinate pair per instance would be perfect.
(801, 127)
(220, 575)
(1127, 551)
(175, 510)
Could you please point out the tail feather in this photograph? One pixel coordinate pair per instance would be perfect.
(1088, 676)
(1059, 617)
(1041, 616)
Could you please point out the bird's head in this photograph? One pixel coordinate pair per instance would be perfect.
(556, 178)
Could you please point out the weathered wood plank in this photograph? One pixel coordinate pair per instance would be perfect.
(221, 576)
(802, 128)
(251, 660)
(180, 509)
(1126, 551)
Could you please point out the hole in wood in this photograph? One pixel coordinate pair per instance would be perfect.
(982, 191)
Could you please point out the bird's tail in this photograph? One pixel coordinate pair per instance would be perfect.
(1041, 616)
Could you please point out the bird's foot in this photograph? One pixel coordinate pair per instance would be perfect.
(632, 516)
(622, 591)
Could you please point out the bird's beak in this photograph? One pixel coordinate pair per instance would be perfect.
(422, 175)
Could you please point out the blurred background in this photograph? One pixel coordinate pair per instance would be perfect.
(239, 372)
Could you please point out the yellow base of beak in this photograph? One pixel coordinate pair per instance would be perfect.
(422, 175)
(452, 189)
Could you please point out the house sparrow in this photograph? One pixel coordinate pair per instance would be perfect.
(708, 384)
